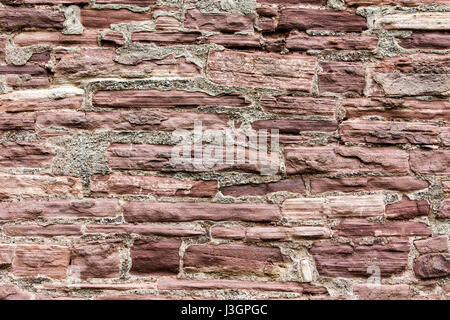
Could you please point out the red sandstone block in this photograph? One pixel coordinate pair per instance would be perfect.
(235, 259)
(88, 39)
(182, 212)
(381, 292)
(155, 257)
(180, 284)
(96, 260)
(433, 265)
(16, 122)
(34, 260)
(3, 40)
(363, 228)
(295, 210)
(114, 38)
(37, 186)
(32, 230)
(290, 2)
(102, 19)
(311, 19)
(341, 77)
(295, 185)
(391, 2)
(167, 38)
(397, 108)
(407, 209)
(444, 210)
(430, 162)
(405, 184)
(343, 260)
(29, 155)
(412, 75)
(257, 234)
(143, 3)
(339, 159)
(426, 40)
(220, 22)
(88, 63)
(146, 185)
(164, 99)
(18, 18)
(304, 42)
(295, 126)
(130, 120)
(12, 292)
(432, 245)
(384, 132)
(303, 106)
(235, 41)
(266, 70)
(65, 97)
(59, 209)
(161, 158)
(146, 230)
(6, 255)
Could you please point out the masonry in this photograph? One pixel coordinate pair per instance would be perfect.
(91, 92)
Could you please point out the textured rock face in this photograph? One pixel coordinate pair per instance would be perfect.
(340, 260)
(261, 70)
(224, 149)
(155, 257)
(235, 259)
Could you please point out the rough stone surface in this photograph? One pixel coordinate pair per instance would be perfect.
(115, 115)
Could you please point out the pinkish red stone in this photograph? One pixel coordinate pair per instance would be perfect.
(265, 70)
(164, 99)
(432, 245)
(130, 120)
(430, 162)
(59, 209)
(381, 292)
(312, 19)
(294, 185)
(12, 292)
(32, 230)
(257, 234)
(303, 106)
(444, 210)
(41, 260)
(223, 22)
(426, 40)
(433, 265)
(364, 228)
(343, 260)
(155, 257)
(96, 260)
(304, 42)
(341, 77)
(235, 259)
(345, 159)
(176, 284)
(405, 184)
(146, 230)
(18, 18)
(29, 155)
(12, 186)
(407, 209)
(137, 211)
(397, 108)
(118, 183)
(300, 209)
(167, 38)
(388, 132)
(102, 19)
